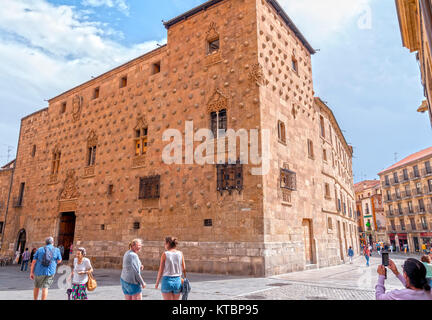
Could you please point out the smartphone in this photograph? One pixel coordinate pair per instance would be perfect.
(385, 259)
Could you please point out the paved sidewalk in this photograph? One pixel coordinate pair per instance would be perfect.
(344, 282)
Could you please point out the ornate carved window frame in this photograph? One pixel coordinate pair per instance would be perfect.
(149, 188)
(229, 177)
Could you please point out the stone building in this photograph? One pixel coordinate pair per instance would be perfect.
(370, 211)
(90, 168)
(407, 195)
(415, 21)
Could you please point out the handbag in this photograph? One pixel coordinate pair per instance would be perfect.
(91, 283)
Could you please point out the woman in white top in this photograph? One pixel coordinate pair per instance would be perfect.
(171, 268)
(82, 267)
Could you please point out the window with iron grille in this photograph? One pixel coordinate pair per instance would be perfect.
(136, 225)
(229, 177)
(1, 227)
(288, 180)
(208, 223)
(218, 123)
(91, 156)
(149, 187)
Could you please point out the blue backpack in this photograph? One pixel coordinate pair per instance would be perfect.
(47, 257)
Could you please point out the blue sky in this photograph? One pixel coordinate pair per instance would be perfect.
(362, 71)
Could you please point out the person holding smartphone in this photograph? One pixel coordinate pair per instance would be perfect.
(413, 279)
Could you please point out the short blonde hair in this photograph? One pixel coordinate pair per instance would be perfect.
(134, 242)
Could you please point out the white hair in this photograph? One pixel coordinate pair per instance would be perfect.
(49, 240)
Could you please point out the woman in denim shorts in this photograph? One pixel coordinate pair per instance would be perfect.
(171, 268)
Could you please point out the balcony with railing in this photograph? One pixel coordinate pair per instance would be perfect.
(420, 210)
(398, 212)
(404, 178)
(406, 194)
(429, 209)
(389, 213)
(394, 181)
(417, 192)
(414, 175)
(427, 189)
(426, 172)
(409, 212)
(386, 184)
(388, 198)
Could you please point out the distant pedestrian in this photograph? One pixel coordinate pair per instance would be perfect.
(171, 268)
(61, 248)
(413, 279)
(424, 249)
(79, 276)
(131, 280)
(25, 260)
(44, 267)
(367, 255)
(32, 254)
(350, 254)
(17, 257)
(427, 261)
(391, 248)
(378, 246)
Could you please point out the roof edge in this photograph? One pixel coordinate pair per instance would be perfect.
(280, 11)
(122, 66)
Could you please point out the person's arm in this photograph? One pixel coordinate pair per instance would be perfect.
(137, 270)
(89, 267)
(184, 266)
(161, 269)
(33, 265)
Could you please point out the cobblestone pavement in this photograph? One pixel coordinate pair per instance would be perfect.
(344, 282)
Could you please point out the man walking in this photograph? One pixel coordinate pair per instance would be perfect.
(350, 254)
(25, 260)
(44, 267)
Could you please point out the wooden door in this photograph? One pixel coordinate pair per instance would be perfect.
(66, 232)
(307, 240)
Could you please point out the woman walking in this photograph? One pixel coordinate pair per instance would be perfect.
(427, 261)
(131, 279)
(413, 279)
(80, 272)
(171, 268)
(32, 254)
(367, 255)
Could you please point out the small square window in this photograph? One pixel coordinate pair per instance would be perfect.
(102, 227)
(213, 46)
(123, 82)
(136, 225)
(208, 223)
(96, 93)
(156, 68)
(110, 189)
(34, 151)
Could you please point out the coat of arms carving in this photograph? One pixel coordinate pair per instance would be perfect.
(256, 74)
(77, 103)
(70, 189)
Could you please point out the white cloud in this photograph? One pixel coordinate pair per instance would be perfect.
(120, 5)
(47, 49)
(319, 20)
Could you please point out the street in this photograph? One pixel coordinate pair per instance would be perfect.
(345, 282)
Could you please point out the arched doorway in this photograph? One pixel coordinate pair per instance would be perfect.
(21, 242)
(66, 233)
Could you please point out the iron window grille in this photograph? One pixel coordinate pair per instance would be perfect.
(288, 180)
(149, 187)
(208, 223)
(229, 177)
